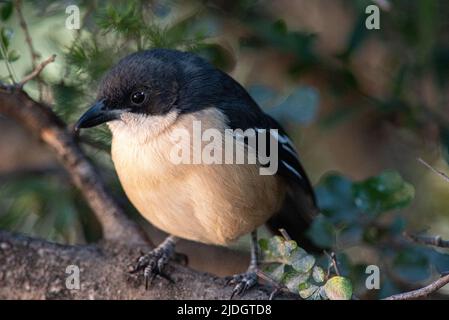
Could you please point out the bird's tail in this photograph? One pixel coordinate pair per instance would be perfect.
(295, 217)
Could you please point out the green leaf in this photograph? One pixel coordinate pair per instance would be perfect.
(338, 288)
(275, 245)
(263, 244)
(216, 54)
(412, 264)
(335, 198)
(307, 290)
(264, 96)
(338, 116)
(280, 26)
(6, 35)
(301, 106)
(6, 10)
(13, 55)
(292, 279)
(276, 271)
(287, 252)
(289, 247)
(124, 20)
(87, 57)
(385, 192)
(444, 133)
(322, 232)
(289, 264)
(301, 261)
(281, 250)
(301, 44)
(318, 274)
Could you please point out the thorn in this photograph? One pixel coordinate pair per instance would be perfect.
(36, 71)
(284, 233)
(274, 293)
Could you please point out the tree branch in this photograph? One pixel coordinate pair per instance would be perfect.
(333, 263)
(436, 241)
(33, 53)
(24, 26)
(37, 70)
(438, 172)
(434, 286)
(36, 269)
(423, 292)
(42, 122)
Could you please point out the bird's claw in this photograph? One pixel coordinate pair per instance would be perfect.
(242, 282)
(153, 264)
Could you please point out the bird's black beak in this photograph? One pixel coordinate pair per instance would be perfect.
(96, 115)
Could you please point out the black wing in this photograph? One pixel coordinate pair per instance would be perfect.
(242, 112)
(300, 205)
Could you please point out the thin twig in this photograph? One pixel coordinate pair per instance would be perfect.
(423, 292)
(277, 286)
(36, 70)
(4, 54)
(438, 172)
(333, 259)
(268, 279)
(284, 233)
(436, 241)
(24, 26)
(33, 53)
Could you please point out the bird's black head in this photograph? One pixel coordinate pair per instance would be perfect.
(145, 83)
(148, 85)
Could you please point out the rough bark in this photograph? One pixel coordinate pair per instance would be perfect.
(35, 269)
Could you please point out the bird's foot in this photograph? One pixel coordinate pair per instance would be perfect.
(242, 282)
(154, 262)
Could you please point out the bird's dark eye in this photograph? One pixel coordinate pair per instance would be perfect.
(138, 97)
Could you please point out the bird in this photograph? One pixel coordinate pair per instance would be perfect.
(151, 96)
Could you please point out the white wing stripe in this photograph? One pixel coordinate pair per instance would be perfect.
(289, 167)
(279, 137)
(286, 147)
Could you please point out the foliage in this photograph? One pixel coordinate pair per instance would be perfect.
(362, 215)
(299, 107)
(291, 266)
(30, 208)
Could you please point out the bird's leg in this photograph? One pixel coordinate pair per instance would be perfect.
(153, 263)
(243, 282)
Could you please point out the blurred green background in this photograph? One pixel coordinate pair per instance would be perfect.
(361, 105)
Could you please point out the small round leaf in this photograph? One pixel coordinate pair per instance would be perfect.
(338, 288)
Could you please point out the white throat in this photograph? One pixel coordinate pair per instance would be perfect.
(140, 128)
